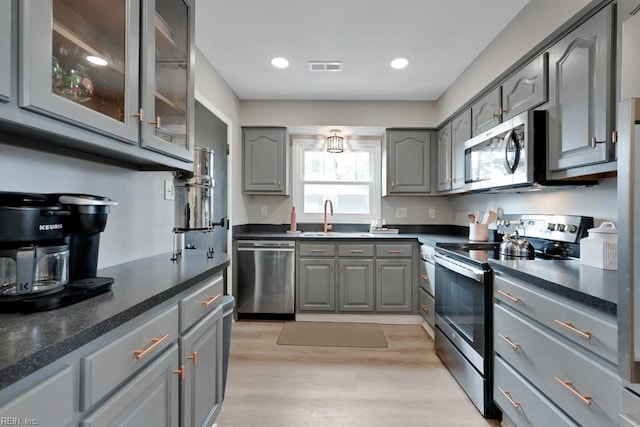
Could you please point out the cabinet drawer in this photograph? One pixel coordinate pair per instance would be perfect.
(427, 277)
(522, 403)
(50, 402)
(109, 366)
(202, 301)
(355, 250)
(588, 328)
(427, 306)
(319, 249)
(394, 250)
(589, 394)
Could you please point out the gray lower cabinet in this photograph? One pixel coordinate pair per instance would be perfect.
(581, 111)
(50, 401)
(316, 284)
(460, 133)
(486, 112)
(551, 358)
(265, 160)
(201, 361)
(393, 285)
(444, 158)
(356, 285)
(407, 161)
(5, 50)
(150, 398)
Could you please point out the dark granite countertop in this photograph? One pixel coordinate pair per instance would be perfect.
(422, 238)
(591, 286)
(32, 341)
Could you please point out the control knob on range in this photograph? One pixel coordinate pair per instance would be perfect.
(560, 227)
(573, 228)
(551, 227)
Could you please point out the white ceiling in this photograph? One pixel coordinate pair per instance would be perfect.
(439, 37)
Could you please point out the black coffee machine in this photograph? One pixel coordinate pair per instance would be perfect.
(49, 249)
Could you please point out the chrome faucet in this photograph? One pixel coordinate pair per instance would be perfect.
(327, 226)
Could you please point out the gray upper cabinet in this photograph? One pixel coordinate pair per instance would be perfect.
(167, 79)
(444, 158)
(265, 155)
(407, 154)
(5, 50)
(57, 43)
(460, 133)
(486, 112)
(581, 97)
(525, 89)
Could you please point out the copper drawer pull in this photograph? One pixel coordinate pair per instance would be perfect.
(180, 372)
(355, 251)
(394, 251)
(194, 357)
(513, 345)
(587, 400)
(316, 250)
(509, 296)
(211, 300)
(424, 307)
(155, 342)
(425, 277)
(585, 335)
(507, 395)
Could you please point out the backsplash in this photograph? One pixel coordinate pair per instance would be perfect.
(140, 226)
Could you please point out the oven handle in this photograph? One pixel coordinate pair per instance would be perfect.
(460, 268)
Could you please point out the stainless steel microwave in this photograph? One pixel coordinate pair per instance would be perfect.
(512, 157)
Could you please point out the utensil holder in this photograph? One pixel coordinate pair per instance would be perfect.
(478, 232)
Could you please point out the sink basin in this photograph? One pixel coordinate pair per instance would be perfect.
(315, 234)
(335, 234)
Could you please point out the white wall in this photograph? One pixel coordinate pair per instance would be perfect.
(140, 226)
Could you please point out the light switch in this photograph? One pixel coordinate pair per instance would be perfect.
(264, 211)
(432, 213)
(169, 190)
(401, 212)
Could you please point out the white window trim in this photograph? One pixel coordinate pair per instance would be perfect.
(373, 146)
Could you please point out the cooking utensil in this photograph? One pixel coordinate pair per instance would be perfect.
(472, 218)
(491, 216)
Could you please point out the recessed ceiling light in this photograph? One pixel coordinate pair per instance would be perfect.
(399, 63)
(96, 60)
(279, 62)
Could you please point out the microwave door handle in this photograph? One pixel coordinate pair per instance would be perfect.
(511, 137)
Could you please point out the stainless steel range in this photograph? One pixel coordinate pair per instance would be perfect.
(464, 281)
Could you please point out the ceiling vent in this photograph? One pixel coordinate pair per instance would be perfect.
(325, 65)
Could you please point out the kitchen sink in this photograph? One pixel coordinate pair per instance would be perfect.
(335, 234)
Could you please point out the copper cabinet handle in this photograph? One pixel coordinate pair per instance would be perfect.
(585, 335)
(587, 400)
(394, 251)
(157, 122)
(139, 115)
(507, 395)
(424, 307)
(211, 300)
(509, 296)
(498, 114)
(193, 357)
(393, 184)
(355, 251)
(155, 342)
(513, 345)
(614, 139)
(180, 372)
(425, 277)
(316, 250)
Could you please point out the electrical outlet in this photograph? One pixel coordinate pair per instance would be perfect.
(401, 212)
(432, 213)
(264, 211)
(169, 190)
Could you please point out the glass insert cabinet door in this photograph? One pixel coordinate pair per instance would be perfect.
(79, 63)
(5, 51)
(167, 77)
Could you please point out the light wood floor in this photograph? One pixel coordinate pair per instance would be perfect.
(399, 386)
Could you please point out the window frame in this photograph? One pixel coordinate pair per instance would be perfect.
(373, 146)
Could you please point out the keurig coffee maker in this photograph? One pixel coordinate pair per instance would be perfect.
(49, 249)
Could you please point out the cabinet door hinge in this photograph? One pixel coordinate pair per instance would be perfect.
(228, 149)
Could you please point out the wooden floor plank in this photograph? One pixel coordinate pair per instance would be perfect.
(272, 385)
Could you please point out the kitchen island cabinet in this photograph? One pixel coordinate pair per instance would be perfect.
(127, 350)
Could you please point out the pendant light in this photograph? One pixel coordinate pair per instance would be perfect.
(334, 142)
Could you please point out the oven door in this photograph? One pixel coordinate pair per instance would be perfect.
(462, 310)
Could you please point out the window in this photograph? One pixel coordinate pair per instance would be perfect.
(349, 179)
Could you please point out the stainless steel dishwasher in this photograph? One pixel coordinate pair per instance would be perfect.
(266, 277)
